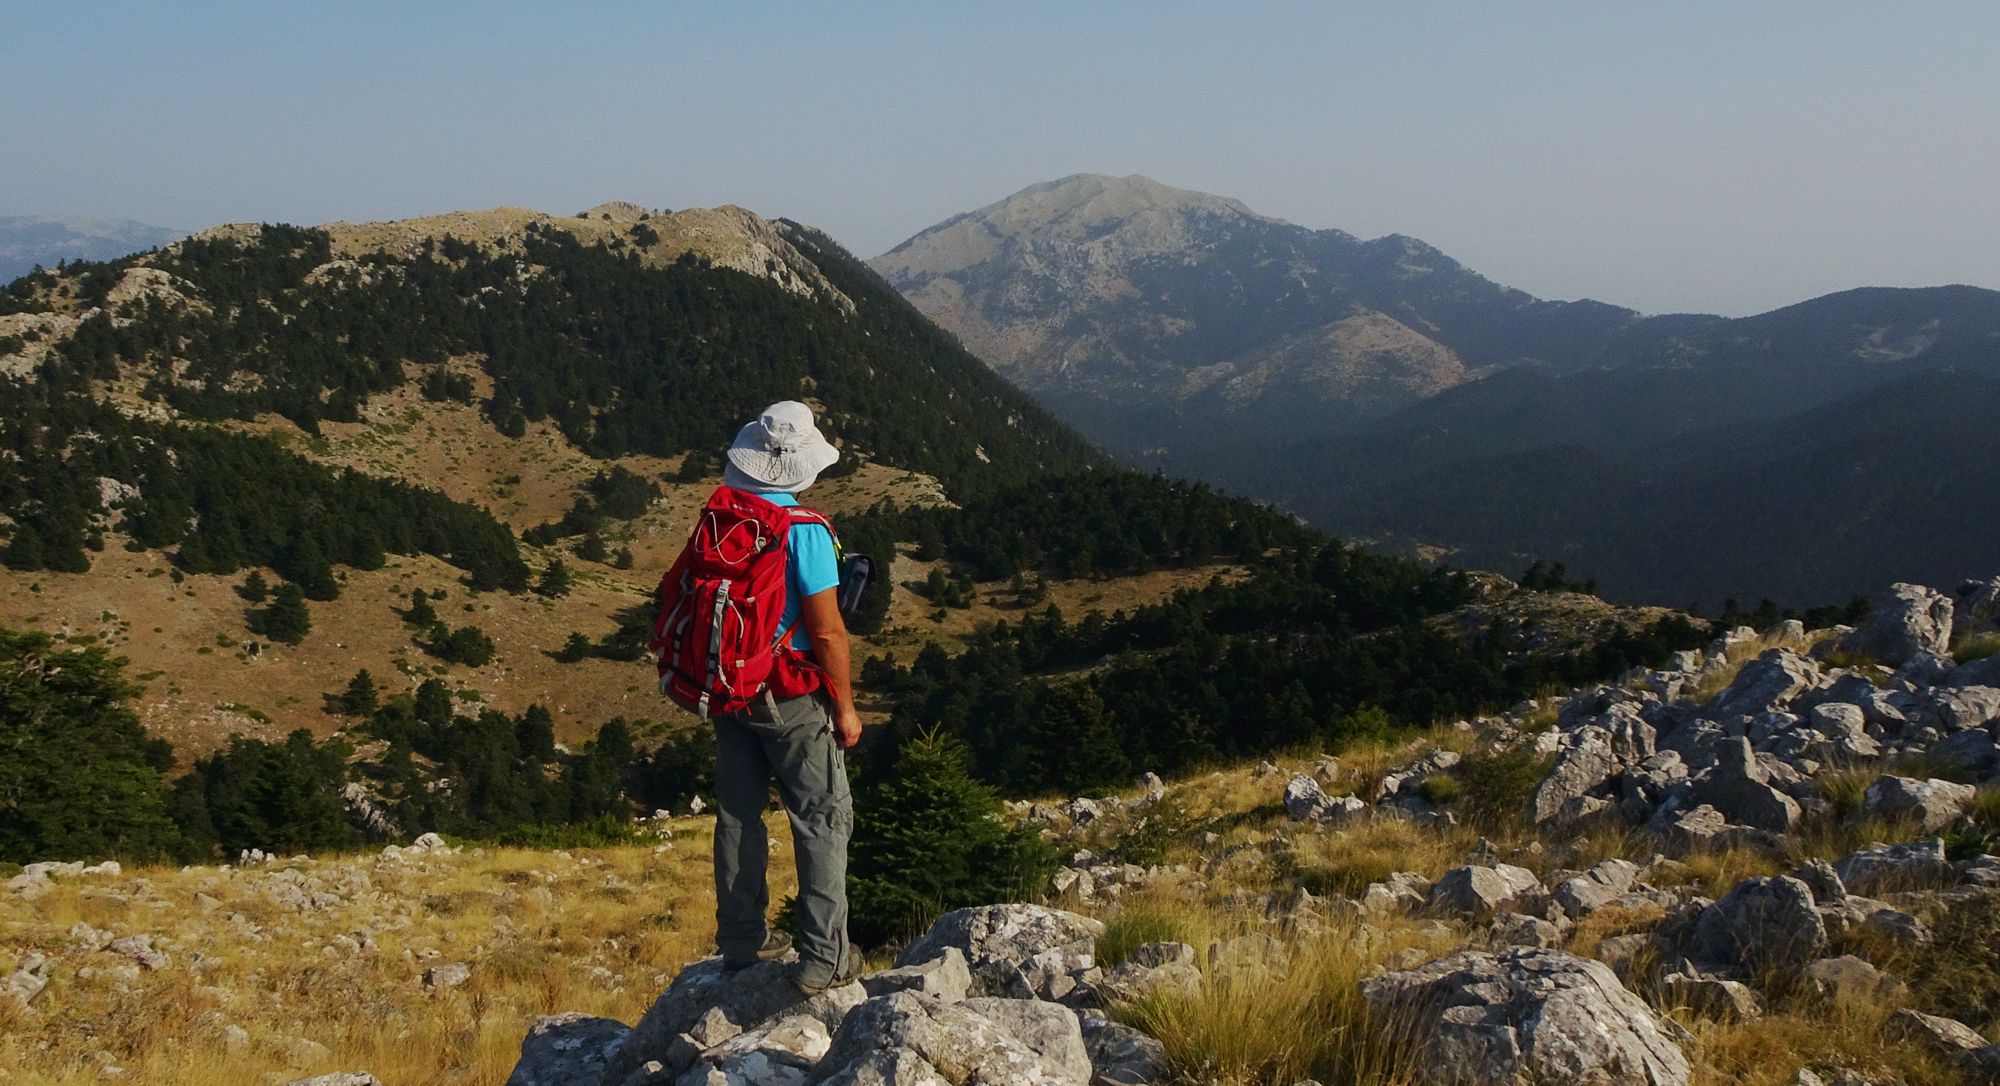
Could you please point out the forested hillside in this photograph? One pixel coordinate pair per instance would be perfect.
(375, 512)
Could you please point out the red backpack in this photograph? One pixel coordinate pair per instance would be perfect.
(717, 637)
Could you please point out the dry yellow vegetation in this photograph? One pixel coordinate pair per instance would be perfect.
(311, 965)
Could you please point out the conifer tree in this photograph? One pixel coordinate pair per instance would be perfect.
(255, 589)
(926, 840)
(360, 698)
(287, 619)
(555, 580)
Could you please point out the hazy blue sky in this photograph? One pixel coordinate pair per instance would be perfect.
(1728, 157)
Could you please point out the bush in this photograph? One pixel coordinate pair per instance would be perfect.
(927, 839)
(1498, 784)
(466, 645)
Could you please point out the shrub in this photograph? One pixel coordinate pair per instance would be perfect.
(467, 645)
(1498, 784)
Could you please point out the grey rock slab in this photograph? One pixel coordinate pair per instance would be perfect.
(1760, 922)
(704, 1006)
(1596, 888)
(1052, 1030)
(567, 1050)
(1584, 765)
(1891, 867)
(1768, 682)
(946, 976)
(1477, 890)
(1913, 619)
(781, 1052)
(1931, 804)
(997, 940)
(1727, 1000)
(1941, 1035)
(338, 1078)
(1739, 787)
(893, 1067)
(1527, 1016)
(1849, 978)
(1959, 708)
(966, 1048)
(1121, 1055)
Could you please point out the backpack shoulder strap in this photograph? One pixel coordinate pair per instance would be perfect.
(801, 514)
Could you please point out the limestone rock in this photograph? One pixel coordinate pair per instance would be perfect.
(1931, 804)
(566, 1050)
(998, 940)
(1476, 890)
(1596, 888)
(1886, 867)
(704, 1006)
(1945, 1036)
(338, 1078)
(1848, 978)
(780, 1052)
(1306, 801)
(1728, 1000)
(1121, 1055)
(1051, 1030)
(1913, 619)
(1583, 766)
(1760, 922)
(1528, 1016)
(1768, 682)
(1740, 788)
(946, 977)
(964, 1047)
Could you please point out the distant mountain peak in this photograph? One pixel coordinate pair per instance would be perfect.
(46, 240)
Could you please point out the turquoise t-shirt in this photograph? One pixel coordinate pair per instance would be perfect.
(810, 568)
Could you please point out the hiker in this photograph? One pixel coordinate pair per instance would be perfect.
(775, 684)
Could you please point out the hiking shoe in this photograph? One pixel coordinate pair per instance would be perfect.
(775, 945)
(815, 977)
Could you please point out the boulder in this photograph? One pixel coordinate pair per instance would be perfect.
(1476, 890)
(1740, 788)
(1961, 708)
(1121, 1055)
(889, 1067)
(338, 1078)
(1727, 1000)
(1759, 923)
(1514, 929)
(1768, 682)
(1527, 1016)
(961, 1046)
(705, 1006)
(567, 1050)
(1849, 978)
(1972, 752)
(945, 977)
(999, 940)
(1931, 804)
(1913, 619)
(1584, 765)
(1596, 888)
(781, 1052)
(1306, 801)
(1051, 1030)
(1891, 867)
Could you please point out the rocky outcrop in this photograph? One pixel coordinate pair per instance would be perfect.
(920, 1022)
(1912, 620)
(1526, 1016)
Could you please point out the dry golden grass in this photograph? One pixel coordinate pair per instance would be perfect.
(1297, 1015)
(599, 931)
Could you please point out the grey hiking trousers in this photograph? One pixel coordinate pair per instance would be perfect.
(793, 741)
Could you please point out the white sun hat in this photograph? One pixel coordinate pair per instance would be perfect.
(780, 450)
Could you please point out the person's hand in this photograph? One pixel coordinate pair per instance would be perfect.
(846, 726)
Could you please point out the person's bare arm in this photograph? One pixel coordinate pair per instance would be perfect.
(828, 633)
